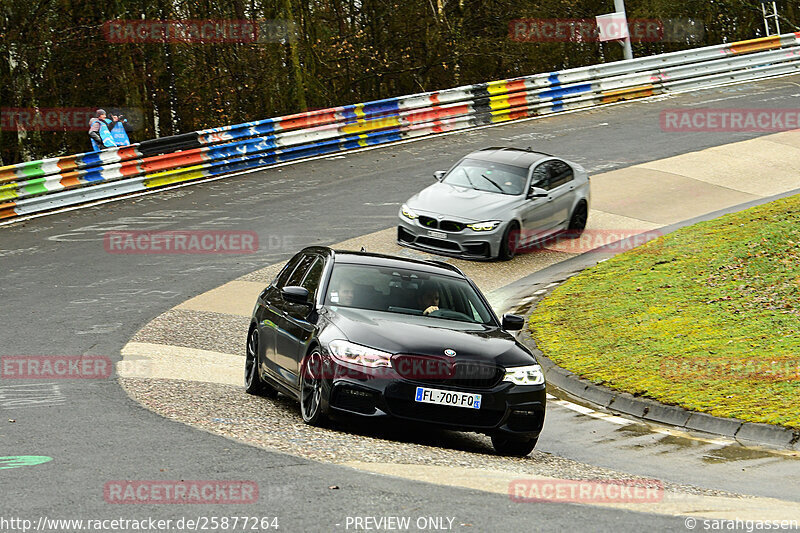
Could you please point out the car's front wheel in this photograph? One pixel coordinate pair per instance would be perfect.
(311, 375)
(510, 242)
(253, 383)
(515, 447)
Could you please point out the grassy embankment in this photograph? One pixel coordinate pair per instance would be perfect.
(707, 318)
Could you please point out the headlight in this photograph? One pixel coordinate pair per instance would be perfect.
(525, 375)
(361, 355)
(408, 213)
(484, 226)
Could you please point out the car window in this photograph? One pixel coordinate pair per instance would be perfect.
(283, 276)
(313, 277)
(300, 271)
(488, 176)
(405, 291)
(560, 173)
(541, 176)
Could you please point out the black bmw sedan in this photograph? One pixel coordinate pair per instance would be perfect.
(373, 335)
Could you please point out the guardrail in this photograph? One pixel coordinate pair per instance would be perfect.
(36, 186)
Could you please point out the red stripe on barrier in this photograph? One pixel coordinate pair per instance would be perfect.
(514, 86)
(518, 100)
(431, 113)
(434, 98)
(170, 161)
(7, 210)
(128, 152)
(304, 120)
(130, 168)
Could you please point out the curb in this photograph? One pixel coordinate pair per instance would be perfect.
(746, 433)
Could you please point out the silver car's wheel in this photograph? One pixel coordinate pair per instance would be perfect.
(510, 242)
(577, 222)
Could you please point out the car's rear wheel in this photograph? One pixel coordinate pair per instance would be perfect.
(311, 390)
(510, 242)
(577, 222)
(253, 383)
(515, 447)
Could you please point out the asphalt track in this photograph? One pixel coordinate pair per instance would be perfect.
(62, 294)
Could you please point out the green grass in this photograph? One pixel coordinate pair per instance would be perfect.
(707, 318)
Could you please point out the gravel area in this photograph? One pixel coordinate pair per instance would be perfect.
(203, 330)
(276, 425)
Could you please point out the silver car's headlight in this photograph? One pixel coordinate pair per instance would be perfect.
(484, 226)
(525, 375)
(408, 212)
(349, 352)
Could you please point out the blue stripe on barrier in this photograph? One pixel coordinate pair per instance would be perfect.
(92, 176)
(242, 147)
(560, 92)
(553, 78)
(91, 159)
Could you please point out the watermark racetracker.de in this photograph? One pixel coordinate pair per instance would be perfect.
(180, 492)
(196, 31)
(183, 242)
(682, 30)
(586, 491)
(588, 240)
(704, 369)
(60, 118)
(729, 120)
(55, 367)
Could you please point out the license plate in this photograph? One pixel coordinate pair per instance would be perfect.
(445, 397)
(437, 234)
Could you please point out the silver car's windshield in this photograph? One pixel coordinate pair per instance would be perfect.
(488, 176)
(409, 292)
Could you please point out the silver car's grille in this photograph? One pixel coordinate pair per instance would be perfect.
(429, 222)
(451, 225)
(445, 225)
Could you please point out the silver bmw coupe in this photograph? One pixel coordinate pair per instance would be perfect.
(496, 202)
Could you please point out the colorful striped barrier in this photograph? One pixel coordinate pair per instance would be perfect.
(37, 186)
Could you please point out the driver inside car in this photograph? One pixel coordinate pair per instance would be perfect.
(428, 298)
(345, 293)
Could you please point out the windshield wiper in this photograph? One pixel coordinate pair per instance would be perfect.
(493, 183)
(469, 179)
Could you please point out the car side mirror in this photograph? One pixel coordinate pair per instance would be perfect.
(439, 174)
(295, 294)
(513, 322)
(537, 192)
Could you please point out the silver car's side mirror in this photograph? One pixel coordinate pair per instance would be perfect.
(439, 174)
(537, 192)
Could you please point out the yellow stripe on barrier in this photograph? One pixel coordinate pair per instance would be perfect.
(159, 179)
(359, 110)
(362, 140)
(371, 125)
(498, 102)
(7, 193)
(496, 87)
(628, 93)
(756, 45)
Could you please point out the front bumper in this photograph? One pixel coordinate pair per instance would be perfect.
(505, 408)
(467, 243)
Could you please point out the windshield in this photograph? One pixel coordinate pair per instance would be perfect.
(488, 176)
(408, 292)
